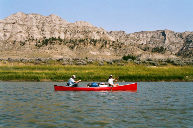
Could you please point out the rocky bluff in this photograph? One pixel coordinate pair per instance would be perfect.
(32, 36)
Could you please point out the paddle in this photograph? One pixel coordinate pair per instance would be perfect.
(116, 79)
(115, 83)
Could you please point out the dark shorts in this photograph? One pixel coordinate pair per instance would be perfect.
(74, 85)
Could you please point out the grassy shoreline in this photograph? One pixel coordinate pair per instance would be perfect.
(129, 72)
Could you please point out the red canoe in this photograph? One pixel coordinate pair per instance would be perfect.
(128, 87)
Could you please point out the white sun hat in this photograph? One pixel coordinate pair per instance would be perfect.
(73, 76)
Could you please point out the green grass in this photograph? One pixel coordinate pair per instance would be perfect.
(130, 72)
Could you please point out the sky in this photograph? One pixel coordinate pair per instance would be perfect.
(112, 15)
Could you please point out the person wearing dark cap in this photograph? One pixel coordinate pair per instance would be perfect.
(72, 83)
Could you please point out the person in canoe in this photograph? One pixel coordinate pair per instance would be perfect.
(111, 81)
(72, 83)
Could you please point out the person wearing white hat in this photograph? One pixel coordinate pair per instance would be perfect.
(111, 81)
(72, 83)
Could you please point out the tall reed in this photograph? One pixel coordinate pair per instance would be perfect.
(130, 72)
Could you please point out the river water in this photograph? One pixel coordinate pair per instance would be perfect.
(154, 105)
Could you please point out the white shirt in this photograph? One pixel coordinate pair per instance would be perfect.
(110, 81)
(71, 81)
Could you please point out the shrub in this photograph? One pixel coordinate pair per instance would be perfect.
(22, 43)
(159, 49)
(129, 57)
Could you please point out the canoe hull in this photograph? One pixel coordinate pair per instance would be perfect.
(128, 87)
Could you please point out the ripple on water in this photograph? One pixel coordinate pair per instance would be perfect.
(155, 104)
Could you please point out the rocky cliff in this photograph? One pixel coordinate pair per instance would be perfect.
(25, 36)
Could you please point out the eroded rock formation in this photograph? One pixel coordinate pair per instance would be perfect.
(36, 36)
